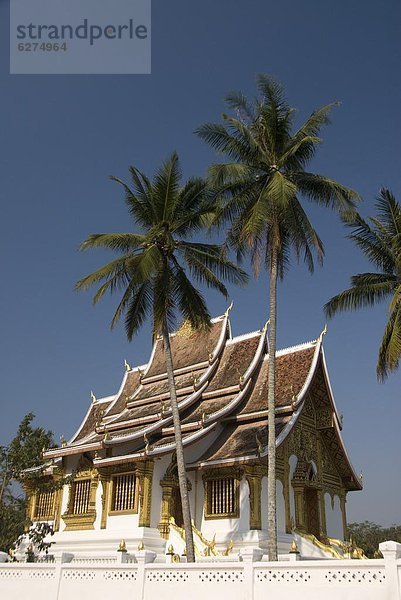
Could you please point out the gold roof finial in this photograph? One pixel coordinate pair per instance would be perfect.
(141, 373)
(203, 419)
(294, 397)
(141, 546)
(106, 436)
(146, 440)
(127, 366)
(321, 336)
(63, 441)
(194, 379)
(265, 326)
(229, 309)
(294, 548)
(122, 546)
(93, 397)
(163, 409)
(259, 445)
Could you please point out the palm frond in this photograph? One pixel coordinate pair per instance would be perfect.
(367, 289)
(123, 242)
(138, 308)
(189, 300)
(390, 347)
(166, 186)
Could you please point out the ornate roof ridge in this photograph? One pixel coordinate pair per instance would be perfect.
(105, 399)
(296, 348)
(242, 337)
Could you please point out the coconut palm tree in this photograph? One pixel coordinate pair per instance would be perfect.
(152, 272)
(380, 242)
(260, 190)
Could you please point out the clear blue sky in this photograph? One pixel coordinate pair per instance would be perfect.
(61, 136)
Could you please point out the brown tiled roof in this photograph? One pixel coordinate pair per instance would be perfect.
(131, 383)
(234, 362)
(207, 406)
(292, 371)
(95, 414)
(238, 440)
(162, 387)
(187, 349)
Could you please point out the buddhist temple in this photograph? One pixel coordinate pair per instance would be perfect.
(120, 464)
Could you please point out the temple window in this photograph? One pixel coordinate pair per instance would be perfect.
(44, 506)
(124, 496)
(222, 497)
(80, 497)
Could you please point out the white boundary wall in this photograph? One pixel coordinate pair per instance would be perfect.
(108, 578)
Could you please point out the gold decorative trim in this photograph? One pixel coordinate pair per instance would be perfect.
(145, 474)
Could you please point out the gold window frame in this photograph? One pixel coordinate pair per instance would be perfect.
(131, 511)
(220, 475)
(50, 516)
(86, 520)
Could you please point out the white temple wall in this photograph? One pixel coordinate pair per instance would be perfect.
(334, 521)
(99, 494)
(226, 527)
(120, 522)
(200, 494)
(159, 471)
(280, 505)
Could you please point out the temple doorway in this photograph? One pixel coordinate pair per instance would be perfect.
(176, 507)
(312, 511)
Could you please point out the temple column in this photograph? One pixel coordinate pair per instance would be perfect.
(322, 514)
(145, 472)
(286, 492)
(166, 508)
(343, 499)
(254, 478)
(300, 517)
(105, 480)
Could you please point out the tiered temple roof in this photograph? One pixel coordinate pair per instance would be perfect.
(221, 385)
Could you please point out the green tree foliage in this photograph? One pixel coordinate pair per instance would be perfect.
(368, 536)
(23, 452)
(261, 187)
(154, 268)
(380, 241)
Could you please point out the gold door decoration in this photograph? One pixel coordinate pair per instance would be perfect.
(81, 508)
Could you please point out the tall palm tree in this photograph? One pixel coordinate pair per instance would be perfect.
(260, 189)
(152, 272)
(380, 242)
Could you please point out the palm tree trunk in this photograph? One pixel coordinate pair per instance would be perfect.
(182, 476)
(271, 409)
